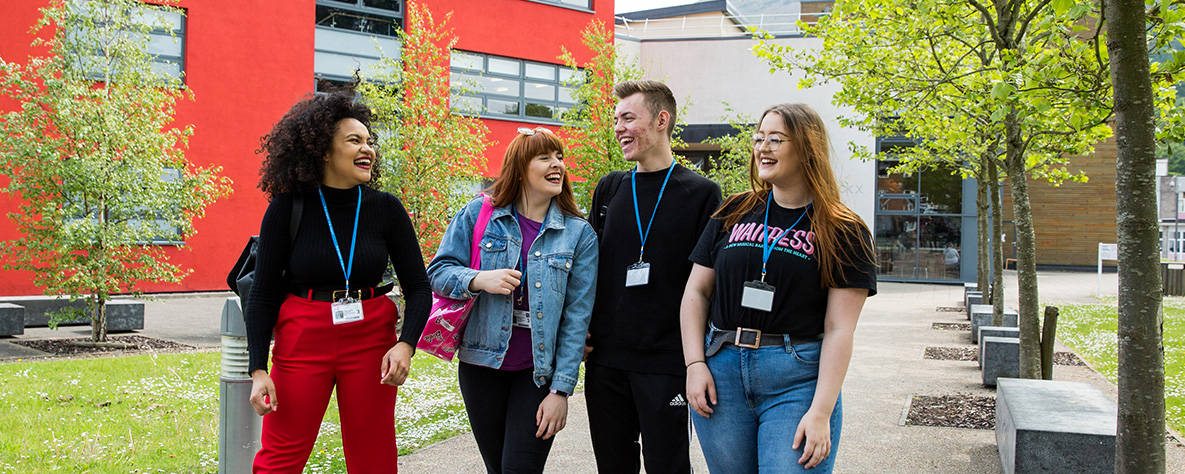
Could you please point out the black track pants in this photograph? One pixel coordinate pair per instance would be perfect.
(624, 404)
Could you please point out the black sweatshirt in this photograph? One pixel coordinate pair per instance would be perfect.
(384, 231)
(637, 328)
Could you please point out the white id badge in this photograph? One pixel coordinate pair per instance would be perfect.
(522, 319)
(346, 310)
(637, 274)
(758, 295)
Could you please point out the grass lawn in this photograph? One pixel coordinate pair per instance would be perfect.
(159, 413)
(1091, 329)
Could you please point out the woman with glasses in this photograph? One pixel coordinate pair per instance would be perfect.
(779, 278)
(521, 350)
(318, 288)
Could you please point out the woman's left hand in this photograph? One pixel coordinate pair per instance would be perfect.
(815, 429)
(552, 415)
(396, 364)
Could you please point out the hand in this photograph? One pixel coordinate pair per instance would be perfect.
(499, 282)
(552, 415)
(397, 363)
(587, 348)
(701, 389)
(263, 393)
(816, 430)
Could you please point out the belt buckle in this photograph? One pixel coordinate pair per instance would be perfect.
(345, 293)
(756, 338)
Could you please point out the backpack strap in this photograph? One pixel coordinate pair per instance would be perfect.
(615, 178)
(294, 221)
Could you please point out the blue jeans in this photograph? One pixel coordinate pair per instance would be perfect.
(762, 394)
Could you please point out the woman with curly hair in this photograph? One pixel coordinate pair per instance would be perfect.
(520, 354)
(779, 278)
(320, 293)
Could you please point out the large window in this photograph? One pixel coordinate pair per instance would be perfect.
(164, 39)
(582, 4)
(167, 44)
(374, 17)
(507, 87)
(918, 221)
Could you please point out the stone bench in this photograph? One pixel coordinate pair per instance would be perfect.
(12, 319)
(981, 315)
(122, 314)
(1001, 359)
(994, 331)
(1054, 426)
(972, 298)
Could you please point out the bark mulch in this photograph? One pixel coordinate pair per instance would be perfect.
(951, 326)
(960, 410)
(67, 348)
(971, 354)
(950, 309)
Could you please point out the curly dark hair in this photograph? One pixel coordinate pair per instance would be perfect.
(296, 147)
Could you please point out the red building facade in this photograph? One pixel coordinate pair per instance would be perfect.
(248, 61)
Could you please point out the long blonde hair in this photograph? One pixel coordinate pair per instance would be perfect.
(832, 221)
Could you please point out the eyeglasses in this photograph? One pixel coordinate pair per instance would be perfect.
(530, 132)
(774, 142)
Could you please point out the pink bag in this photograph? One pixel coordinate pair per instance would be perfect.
(446, 322)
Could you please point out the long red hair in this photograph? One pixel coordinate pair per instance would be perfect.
(512, 180)
(833, 222)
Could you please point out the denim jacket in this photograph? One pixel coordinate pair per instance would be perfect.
(561, 272)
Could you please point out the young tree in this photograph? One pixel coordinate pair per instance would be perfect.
(91, 156)
(430, 154)
(592, 149)
(1139, 446)
(956, 76)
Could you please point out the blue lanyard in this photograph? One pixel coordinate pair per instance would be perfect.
(638, 215)
(522, 264)
(766, 248)
(353, 240)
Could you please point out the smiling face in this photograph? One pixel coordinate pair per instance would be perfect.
(545, 176)
(781, 167)
(639, 132)
(351, 156)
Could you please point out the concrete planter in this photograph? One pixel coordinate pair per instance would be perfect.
(12, 319)
(122, 314)
(995, 331)
(1000, 358)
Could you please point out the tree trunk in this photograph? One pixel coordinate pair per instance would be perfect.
(997, 246)
(1026, 251)
(1139, 446)
(99, 321)
(983, 205)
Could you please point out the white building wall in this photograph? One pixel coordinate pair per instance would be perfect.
(710, 73)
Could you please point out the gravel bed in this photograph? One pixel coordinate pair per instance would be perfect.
(960, 410)
(68, 347)
(950, 309)
(951, 326)
(971, 354)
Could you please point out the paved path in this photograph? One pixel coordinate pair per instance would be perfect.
(887, 370)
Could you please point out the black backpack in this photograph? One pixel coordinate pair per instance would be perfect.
(242, 275)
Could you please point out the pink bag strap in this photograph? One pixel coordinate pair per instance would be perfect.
(479, 230)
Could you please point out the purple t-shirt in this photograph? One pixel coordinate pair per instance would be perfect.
(518, 355)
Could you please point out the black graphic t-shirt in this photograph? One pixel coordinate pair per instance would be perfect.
(799, 303)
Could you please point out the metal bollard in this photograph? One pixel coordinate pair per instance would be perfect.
(239, 427)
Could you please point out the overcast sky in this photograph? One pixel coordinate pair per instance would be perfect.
(625, 6)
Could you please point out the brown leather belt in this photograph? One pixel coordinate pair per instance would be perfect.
(752, 339)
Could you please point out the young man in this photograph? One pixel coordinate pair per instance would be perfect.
(649, 221)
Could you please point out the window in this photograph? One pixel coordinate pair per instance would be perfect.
(374, 17)
(581, 4)
(162, 34)
(510, 87)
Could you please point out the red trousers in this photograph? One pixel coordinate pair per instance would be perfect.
(310, 357)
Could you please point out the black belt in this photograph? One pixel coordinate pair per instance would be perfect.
(334, 295)
(752, 339)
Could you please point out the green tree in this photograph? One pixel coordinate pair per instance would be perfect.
(91, 156)
(592, 149)
(731, 169)
(430, 155)
(1139, 446)
(956, 76)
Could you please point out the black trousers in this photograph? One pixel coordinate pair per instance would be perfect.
(623, 405)
(501, 406)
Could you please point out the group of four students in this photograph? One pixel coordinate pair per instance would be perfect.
(741, 312)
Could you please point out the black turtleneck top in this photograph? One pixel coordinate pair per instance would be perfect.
(384, 232)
